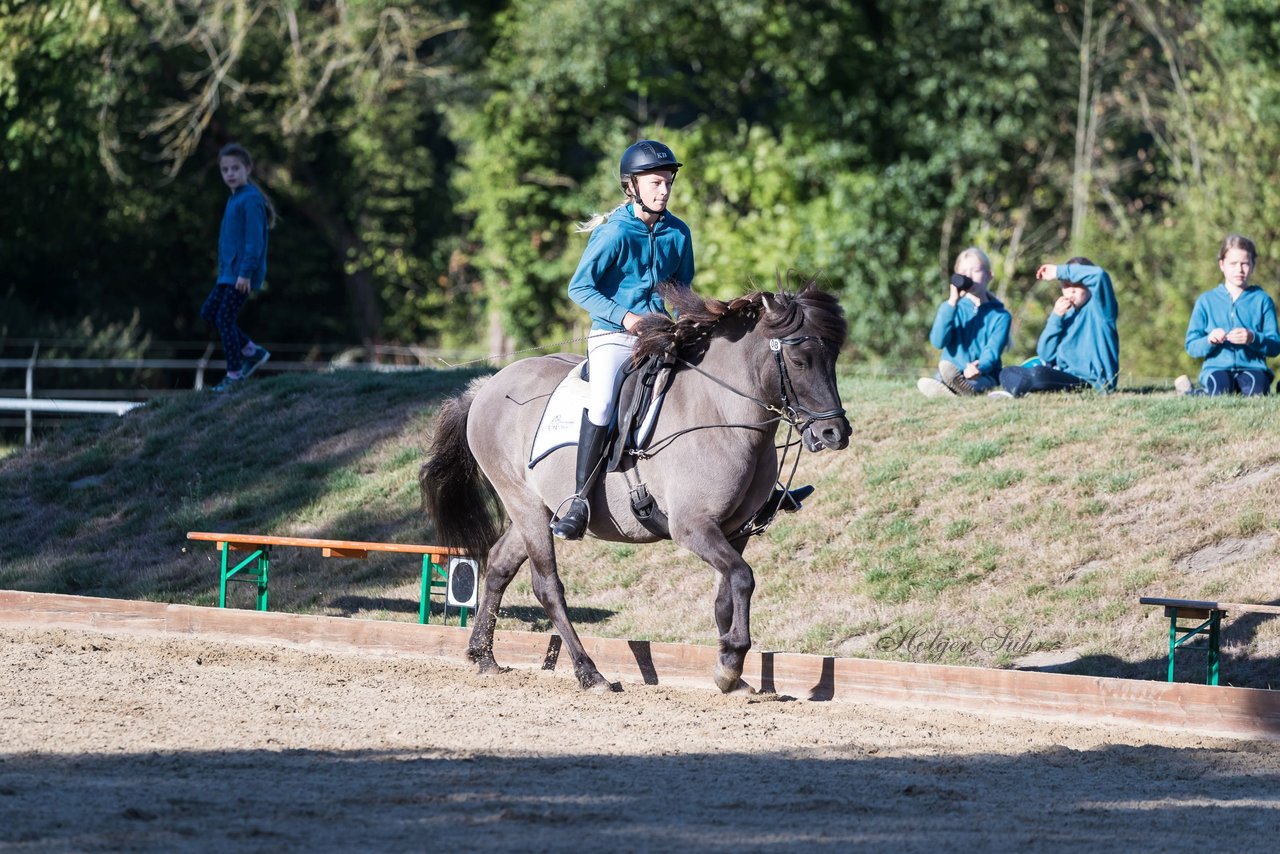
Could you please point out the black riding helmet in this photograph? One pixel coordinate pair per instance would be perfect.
(647, 155)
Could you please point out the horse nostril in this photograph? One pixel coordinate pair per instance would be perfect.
(833, 437)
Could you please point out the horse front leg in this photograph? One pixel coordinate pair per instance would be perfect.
(733, 619)
(504, 561)
(733, 601)
(549, 591)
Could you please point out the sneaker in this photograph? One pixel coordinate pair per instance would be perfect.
(930, 387)
(257, 360)
(229, 384)
(954, 379)
(1000, 393)
(1183, 384)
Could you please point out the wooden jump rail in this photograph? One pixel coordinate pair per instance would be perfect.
(255, 568)
(1210, 615)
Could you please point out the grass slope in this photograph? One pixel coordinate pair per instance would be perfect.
(966, 531)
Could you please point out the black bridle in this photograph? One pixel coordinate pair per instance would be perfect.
(798, 417)
(793, 411)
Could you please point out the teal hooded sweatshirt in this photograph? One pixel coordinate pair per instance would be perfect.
(1085, 342)
(624, 263)
(1252, 310)
(965, 333)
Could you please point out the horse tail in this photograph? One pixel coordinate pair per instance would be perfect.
(455, 493)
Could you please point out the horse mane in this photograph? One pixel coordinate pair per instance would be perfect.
(698, 319)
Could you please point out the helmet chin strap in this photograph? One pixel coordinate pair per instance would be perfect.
(635, 193)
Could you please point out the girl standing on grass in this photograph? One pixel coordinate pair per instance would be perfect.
(242, 264)
(1233, 328)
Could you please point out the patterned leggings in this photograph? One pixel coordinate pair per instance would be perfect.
(221, 308)
(1248, 383)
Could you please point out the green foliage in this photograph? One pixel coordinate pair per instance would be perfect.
(429, 158)
(817, 139)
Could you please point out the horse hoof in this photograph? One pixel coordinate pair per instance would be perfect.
(598, 684)
(606, 687)
(727, 681)
(736, 687)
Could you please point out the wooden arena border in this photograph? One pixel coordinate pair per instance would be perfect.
(1205, 709)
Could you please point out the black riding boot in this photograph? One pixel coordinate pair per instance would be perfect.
(784, 501)
(591, 441)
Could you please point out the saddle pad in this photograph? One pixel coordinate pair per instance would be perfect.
(562, 417)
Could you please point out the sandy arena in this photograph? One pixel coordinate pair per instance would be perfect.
(119, 742)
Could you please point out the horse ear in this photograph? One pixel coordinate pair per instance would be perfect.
(770, 302)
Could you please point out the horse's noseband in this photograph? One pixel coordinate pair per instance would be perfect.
(791, 406)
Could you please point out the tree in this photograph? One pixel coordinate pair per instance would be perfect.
(822, 136)
(340, 100)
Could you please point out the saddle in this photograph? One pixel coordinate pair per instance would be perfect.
(638, 402)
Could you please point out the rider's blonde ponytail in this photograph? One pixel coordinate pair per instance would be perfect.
(596, 220)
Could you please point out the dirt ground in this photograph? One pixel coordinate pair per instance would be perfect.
(114, 742)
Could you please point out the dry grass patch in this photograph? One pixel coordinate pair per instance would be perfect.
(977, 532)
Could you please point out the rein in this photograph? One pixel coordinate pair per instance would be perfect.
(790, 412)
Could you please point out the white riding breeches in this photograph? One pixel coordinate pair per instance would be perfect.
(607, 354)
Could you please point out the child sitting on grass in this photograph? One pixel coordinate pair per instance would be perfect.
(971, 329)
(1080, 345)
(1233, 328)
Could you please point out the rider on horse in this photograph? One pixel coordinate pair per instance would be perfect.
(638, 246)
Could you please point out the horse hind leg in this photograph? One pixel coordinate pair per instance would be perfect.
(505, 559)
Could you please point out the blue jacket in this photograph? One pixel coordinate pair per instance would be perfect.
(1084, 342)
(242, 240)
(1252, 310)
(623, 264)
(966, 332)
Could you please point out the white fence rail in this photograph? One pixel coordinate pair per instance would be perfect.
(53, 404)
(25, 400)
